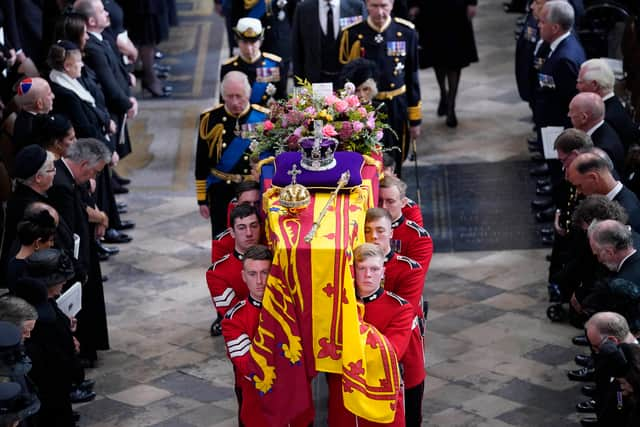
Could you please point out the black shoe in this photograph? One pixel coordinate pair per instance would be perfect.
(121, 205)
(589, 422)
(125, 225)
(442, 107)
(580, 340)
(586, 407)
(106, 249)
(547, 231)
(87, 385)
(543, 169)
(547, 240)
(81, 396)
(543, 181)
(162, 67)
(122, 211)
(548, 258)
(541, 203)
(158, 54)
(546, 215)
(535, 150)
(216, 328)
(105, 278)
(584, 360)
(544, 190)
(120, 189)
(121, 180)
(114, 236)
(103, 257)
(533, 141)
(588, 390)
(452, 120)
(582, 374)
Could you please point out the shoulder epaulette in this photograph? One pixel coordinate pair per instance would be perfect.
(353, 24)
(230, 60)
(260, 108)
(398, 298)
(272, 57)
(235, 308)
(215, 264)
(215, 107)
(221, 235)
(421, 231)
(405, 22)
(412, 263)
(411, 203)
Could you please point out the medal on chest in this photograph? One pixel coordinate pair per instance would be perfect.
(378, 38)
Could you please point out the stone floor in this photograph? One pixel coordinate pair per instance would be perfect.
(493, 358)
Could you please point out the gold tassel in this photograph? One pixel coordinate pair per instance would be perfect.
(347, 55)
(213, 137)
(248, 4)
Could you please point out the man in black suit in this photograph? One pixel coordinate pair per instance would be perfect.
(591, 174)
(596, 76)
(586, 112)
(612, 243)
(109, 69)
(35, 100)
(68, 195)
(315, 53)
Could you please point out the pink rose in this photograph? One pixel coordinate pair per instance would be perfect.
(298, 131)
(331, 99)
(341, 106)
(353, 101)
(357, 126)
(371, 121)
(329, 131)
(379, 135)
(268, 125)
(362, 111)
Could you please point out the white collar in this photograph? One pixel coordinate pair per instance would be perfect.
(96, 35)
(595, 128)
(624, 259)
(614, 191)
(608, 96)
(557, 41)
(64, 80)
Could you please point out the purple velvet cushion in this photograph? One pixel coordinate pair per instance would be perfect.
(345, 160)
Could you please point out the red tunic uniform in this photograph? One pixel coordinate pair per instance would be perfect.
(238, 328)
(224, 279)
(412, 212)
(403, 276)
(413, 241)
(393, 317)
(223, 244)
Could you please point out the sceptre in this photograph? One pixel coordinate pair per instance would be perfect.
(344, 179)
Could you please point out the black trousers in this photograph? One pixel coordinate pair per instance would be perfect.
(413, 405)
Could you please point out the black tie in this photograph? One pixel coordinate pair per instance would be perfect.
(330, 32)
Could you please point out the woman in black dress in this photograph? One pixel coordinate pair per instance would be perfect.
(447, 45)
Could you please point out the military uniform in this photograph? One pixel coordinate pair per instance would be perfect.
(393, 317)
(394, 48)
(222, 158)
(404, 277)
(413, 212)
(413, 241)
(267, 77)
(238, 328)
(223, 244)
(224, 279)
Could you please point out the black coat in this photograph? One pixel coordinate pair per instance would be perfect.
(446, 34)
(29, 20)
(27, 129)
(606, 138)
(621, 122)
(306, 36)
(630, 203)
(87, 121)
(113, 77)
(55, 366)
(69, 199)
